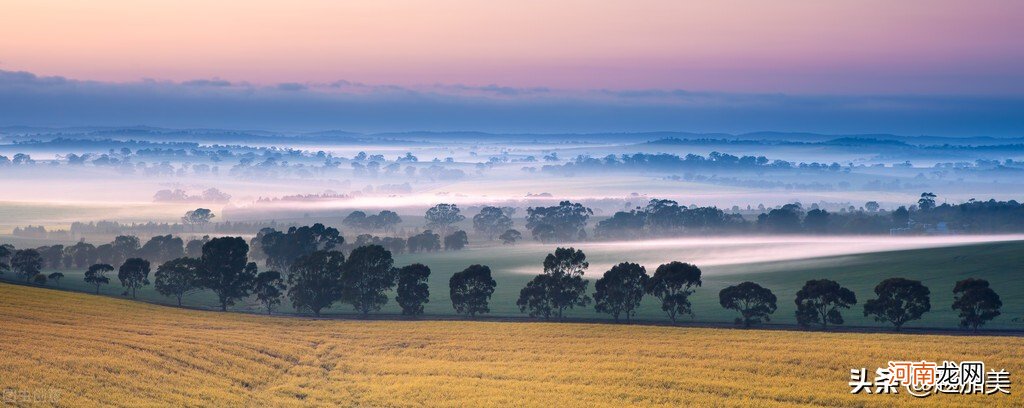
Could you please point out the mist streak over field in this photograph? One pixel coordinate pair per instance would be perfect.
(723, 251)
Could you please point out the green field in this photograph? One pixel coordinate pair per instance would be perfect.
(1000, 263)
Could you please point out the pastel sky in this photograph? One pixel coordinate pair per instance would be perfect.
(800, 49)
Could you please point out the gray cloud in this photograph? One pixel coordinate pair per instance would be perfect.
(27, 99)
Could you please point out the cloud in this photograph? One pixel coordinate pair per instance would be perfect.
(28, 99)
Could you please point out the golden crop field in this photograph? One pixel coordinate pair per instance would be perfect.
(87, 351)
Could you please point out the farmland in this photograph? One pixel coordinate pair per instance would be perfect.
(83, 350)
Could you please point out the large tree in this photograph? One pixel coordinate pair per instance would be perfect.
(471, 290)
(491, 221)
(673, 283)
(560, 287)
(198, 216)
(510, 237)
(122, 248)
(283, 248)
(899, 301)
(754, 302)
(620, 290)
(456, 241)
(226, 269)
(565, 222)
(412, 290)
(133, 274)
(819, 302)
(162, 248)
(97, 275)
(315, 281)
(269, 288)
(443, 216)
(82, 254)
(6, 251)
(976, 302)
(26, 263)
(178, 277)
(369, 272)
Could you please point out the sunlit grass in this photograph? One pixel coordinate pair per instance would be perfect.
(101, 351)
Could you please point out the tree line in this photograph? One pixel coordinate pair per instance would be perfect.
(318, 278)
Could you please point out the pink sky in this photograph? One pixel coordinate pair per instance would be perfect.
(791, 46)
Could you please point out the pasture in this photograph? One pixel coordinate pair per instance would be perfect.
(1002, 263)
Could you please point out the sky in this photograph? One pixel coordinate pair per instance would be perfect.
(911, 66)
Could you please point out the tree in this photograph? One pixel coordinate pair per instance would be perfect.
(39, 279)
(387, 220)
(926, 202)
(96, 275)
(26, 263)
(355, 220)
(133, 274)
(226, 269)
(6, 251)
(976, 302)
(782, 220)
(413, 291)
(368, 273)
(456, 241)
(872, 206)
(471, 289)
(269, 288)
(816, 221)
(620, 290)
(754, 302)
(673, 284)
(283, 248)
(194, 247)
(901, 217)
(122, 248)
(178, 277)
(510, 237)
(819, 301)
(315, 281)
(560, 287)
(899, 301)
(426, 241)
(162, 248)
(491, 221)
(442, 216)
(56, 277)
(82, 254)
(198, 216)
(565, 222)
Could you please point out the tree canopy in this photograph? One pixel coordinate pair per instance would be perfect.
(673, 283)
(899, 301)
(975, 302)
(413, 290)
(819, 301)
(620, 290)
(754, 302)
(226, 269)
(315, 281)
(471, 290)
(367, 275)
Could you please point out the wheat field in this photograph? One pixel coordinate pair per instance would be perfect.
(71, 349)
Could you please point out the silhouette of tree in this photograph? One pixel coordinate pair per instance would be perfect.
(26, 263)
(510, 237)
(226, 269)
(442, 216)
(560, 287)
(672, 283)
(816, 221)
(269, 288)
(178, 277)
(565, 222)
(471, 289)
(926, 202)
(819, 301)
(96, 275)
(899, 301)
(754, 302)
(315, 281)
(491, 221)
(283, 248)
(456, 241)
(367, 274)
(620, 290)
(413, 291)
(134, 274)
(976, 303)
(198, 216)
(55, 277)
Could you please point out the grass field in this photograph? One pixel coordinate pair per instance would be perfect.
(1001, 263)
(79, 350)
